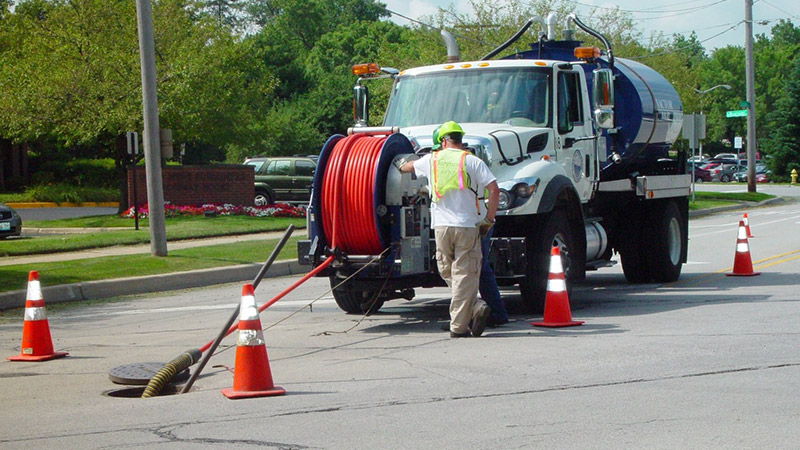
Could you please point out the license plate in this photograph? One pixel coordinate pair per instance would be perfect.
(5, 226)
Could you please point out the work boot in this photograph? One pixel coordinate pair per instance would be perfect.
(479, 319)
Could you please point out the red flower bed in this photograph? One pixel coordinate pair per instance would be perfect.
(276, 210)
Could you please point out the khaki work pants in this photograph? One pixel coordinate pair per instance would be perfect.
(458, 255)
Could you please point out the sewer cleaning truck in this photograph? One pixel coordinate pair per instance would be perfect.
(579, 142)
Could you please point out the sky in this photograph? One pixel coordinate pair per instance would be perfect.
(717, 23)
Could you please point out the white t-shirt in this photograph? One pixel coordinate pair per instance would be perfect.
(457, 207)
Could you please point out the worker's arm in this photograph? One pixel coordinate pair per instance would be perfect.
(494, 196)
(406, 163)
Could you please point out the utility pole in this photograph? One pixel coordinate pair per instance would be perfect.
(751, 95)
(152, 144)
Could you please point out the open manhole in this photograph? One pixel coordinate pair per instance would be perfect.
(136, 391)
(139, 374)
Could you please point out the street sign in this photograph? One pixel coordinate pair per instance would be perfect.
(737, 113)
(737, 142)
(744, 104)
(694, 128)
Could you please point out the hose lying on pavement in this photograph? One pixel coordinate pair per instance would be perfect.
(170, 369)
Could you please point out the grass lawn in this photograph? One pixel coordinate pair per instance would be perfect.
(91, 269)
(177, 228)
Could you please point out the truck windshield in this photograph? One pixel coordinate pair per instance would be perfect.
(518, 96)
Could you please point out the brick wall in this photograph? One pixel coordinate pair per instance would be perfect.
(193, 185)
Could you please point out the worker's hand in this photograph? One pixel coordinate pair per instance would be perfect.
(400, 162)
(484, 226)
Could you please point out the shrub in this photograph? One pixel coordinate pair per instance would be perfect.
(80, 172)
(65, 193)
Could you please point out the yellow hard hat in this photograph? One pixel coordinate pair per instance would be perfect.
(449, 128)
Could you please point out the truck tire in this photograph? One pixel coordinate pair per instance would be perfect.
(554, 231)
(666, 242)
(632, 249)
(353, 301)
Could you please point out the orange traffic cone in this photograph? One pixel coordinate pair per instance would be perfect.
(746, 225)
(556, 301)
(36, 342)
(251, 374)
(742, 265)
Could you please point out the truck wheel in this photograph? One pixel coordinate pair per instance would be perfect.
(355, 302)
(667, 242)
(263, 198)
(554, 231)
(632, 249)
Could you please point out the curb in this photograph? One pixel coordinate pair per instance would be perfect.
(23, 205)
(101, 289)
(705, 212)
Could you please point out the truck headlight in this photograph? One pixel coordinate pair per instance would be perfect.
(504, 200)
(514, 193)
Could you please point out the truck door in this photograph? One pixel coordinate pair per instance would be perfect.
(573, 125)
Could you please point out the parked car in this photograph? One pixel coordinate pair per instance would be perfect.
(700, 175)
(740, 174)
(282, 179)
(10, 222)
(732, 156)
(762, 178)
(720, 170)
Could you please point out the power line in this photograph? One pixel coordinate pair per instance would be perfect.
(651, 10)
(781, 10)
(736, 25)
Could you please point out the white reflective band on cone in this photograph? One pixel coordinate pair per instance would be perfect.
(250, 338)
(556, 285)
(742, 247)
(35, 313)
(742, 233)
(249, 310)
(555, 265)
(34, 290)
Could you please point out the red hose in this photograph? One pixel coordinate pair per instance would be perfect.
(346, 204)
(348, 189)
(282, 294)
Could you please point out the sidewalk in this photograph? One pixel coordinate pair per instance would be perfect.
(137, 249)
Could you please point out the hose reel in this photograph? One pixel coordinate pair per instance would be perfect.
(350, 190)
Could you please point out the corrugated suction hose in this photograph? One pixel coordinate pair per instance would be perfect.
(169, 370)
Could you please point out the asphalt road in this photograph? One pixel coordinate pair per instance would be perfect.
(706, 362)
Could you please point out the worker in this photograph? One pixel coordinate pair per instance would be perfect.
(454, 176)
(489, 291)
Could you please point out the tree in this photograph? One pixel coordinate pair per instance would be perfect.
(69, 74)
(783, 143)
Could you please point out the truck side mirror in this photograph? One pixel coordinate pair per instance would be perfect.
(360, 105)
(603, 97)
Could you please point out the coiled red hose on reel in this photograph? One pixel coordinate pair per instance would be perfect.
(347, 199)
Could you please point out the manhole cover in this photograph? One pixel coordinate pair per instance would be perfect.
(141, 373)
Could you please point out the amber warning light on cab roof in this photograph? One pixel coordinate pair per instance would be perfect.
(366, 69)
(587, 53)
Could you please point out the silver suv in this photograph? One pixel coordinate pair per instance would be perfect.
(282, 179)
